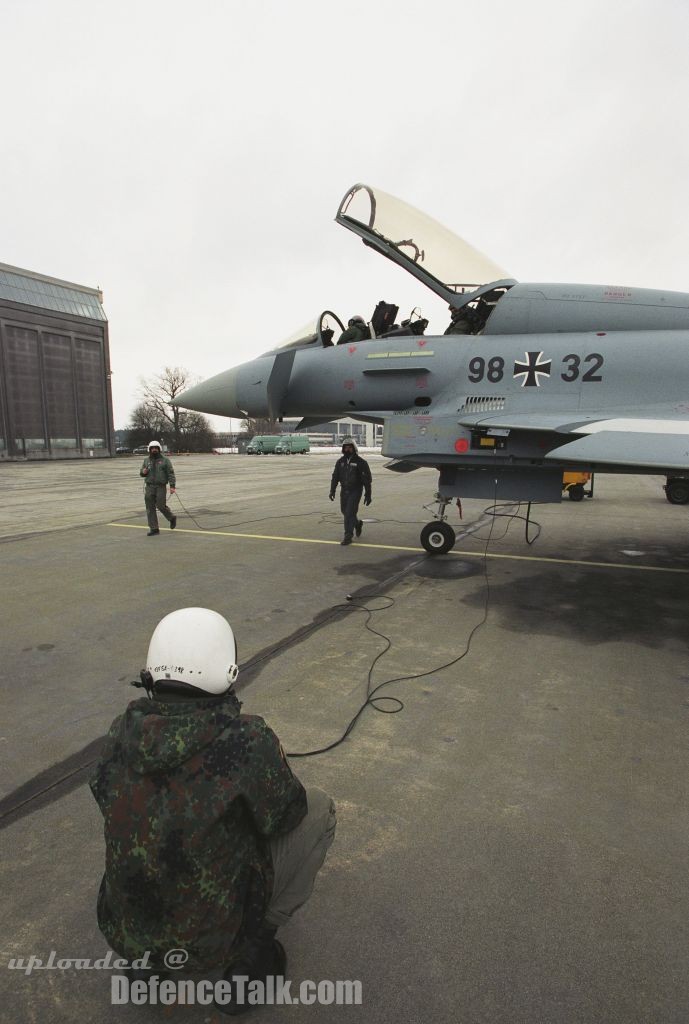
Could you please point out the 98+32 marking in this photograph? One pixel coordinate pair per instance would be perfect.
(534, 367)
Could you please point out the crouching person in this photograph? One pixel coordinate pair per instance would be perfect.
(211, 842)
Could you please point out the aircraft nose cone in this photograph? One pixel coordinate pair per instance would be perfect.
(216, 396)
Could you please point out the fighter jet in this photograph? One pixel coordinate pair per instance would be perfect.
(526, 382)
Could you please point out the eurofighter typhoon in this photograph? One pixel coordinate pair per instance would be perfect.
(528, 380)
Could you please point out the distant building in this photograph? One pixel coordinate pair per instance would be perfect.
(330, 432)
(55, 398)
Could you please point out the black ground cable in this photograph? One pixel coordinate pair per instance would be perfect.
(328, 516)
(246, 522)
(516, 515)
(371, 699)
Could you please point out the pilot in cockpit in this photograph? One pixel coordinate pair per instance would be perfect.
(472, 318)
(465, 320)
(357, 330)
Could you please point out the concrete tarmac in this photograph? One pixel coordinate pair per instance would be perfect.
(511, 845)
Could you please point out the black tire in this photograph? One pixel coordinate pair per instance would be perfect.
(576, 492)
(438, 538)
(677, 491)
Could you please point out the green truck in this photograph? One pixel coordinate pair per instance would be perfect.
(278, 444)
(263, 444)
(293, 444)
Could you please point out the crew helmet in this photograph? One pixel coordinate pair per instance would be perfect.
(154, 444)
(349, 440)
(355, 320)
(195, 646)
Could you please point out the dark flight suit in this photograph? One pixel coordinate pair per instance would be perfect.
(353, 474)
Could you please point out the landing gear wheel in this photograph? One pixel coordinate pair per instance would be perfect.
(438, 538)
(677, 491)
(576, 492)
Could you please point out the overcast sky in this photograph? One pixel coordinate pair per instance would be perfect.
(189, 158)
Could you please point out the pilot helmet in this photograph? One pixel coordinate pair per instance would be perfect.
(154, 444)
(194, 647)
(355, 320)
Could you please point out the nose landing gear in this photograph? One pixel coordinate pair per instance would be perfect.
(438, 537)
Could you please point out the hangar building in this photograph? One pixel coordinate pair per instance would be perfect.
(55, 398)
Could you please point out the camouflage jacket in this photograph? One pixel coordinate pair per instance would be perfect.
(191, 794)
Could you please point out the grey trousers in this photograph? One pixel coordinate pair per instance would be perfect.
(298, 857)
(155, 498)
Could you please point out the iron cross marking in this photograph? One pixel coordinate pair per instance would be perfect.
(532, 369)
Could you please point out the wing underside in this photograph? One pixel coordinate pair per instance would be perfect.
(634, 441)
(627, 448)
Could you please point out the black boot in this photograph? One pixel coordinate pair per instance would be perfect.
(152, 533)
(263, 957)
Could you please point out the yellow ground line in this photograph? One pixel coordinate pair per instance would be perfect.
(400, 547)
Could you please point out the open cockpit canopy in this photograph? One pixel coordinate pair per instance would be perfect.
(447, 264)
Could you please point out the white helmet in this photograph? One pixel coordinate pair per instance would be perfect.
(154, 444)
(195, 646)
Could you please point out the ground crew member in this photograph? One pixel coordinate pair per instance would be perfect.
(211, 842)
(353, 475)
(158, 473)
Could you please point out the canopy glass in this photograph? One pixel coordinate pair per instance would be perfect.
(433, 253)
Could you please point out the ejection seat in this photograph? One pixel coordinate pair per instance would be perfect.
(383, 318)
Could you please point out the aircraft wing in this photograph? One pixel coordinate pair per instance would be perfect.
(571, 423)
(652, 450)
(644, 441)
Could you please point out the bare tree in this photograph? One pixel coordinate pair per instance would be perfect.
(145, 424)
(159, 391)
(190, 431)
(196, 432)
(146, 418)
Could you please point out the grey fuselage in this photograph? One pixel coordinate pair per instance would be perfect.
(548, 356)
